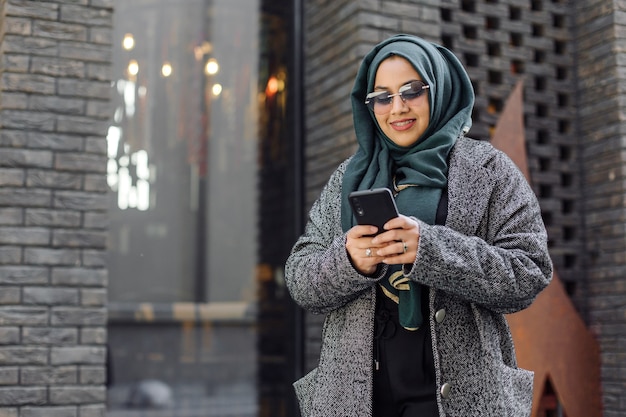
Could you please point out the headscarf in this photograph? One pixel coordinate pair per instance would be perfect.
(423, 165)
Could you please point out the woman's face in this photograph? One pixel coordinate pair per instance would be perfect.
(404, 123)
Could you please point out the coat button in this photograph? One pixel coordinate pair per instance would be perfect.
(440, 315)
(445, 390)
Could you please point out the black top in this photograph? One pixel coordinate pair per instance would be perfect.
(404, 367)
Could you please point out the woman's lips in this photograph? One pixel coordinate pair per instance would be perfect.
(403, 124)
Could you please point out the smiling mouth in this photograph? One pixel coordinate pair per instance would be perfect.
(401, 124)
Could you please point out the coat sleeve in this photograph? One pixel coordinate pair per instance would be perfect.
(503, 265)
(318, 271)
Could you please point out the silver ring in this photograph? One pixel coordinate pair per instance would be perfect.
(404, 247)
(368, 252)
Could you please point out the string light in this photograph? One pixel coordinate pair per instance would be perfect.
(212, 67)
(166, 69)
(128, 42)
(133, 67)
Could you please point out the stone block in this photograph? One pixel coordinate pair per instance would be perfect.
(23, 275)
(12, 177)
(86, 277)
(92, 375)
(79, 238)
(9, 375)
(9, 335)
(26, 158)
(57, 336)
(82, 162)
(10, 296)
(77, 394)
(93, 297)
(69, 316)
(55, 141)
(22, 355)
(51, 257)
(11, 216)
(83, 201)
(50, 296)
(61, 30)
(93, 335)
(50, 411)
(52, 218)
(54, 179)
(49, 375)
(22, 395)
(24, 236)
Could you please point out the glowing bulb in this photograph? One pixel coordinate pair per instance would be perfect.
(272, 86)
(166, 69)
(128, 42)
(216, 90)
(133, 67)
(212, 67)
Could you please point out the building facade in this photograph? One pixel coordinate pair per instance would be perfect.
(158, 158)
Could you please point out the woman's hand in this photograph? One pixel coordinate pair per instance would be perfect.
(397, 245)
(361, 250)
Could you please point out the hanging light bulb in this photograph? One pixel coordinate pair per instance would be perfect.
(128, 42)
(133, 67)
(212, 67)
(166, 69)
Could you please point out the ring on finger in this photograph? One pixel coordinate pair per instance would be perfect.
(368, 252)
(404, 247)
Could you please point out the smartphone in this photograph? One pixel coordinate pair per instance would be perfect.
(373, 207)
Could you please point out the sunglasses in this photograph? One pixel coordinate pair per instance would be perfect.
(380, 102)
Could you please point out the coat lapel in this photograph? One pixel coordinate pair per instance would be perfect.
(469, 188)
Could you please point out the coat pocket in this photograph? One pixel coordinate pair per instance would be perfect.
(520, 389)
(304, 388)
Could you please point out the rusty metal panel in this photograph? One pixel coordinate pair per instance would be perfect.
(550, 337)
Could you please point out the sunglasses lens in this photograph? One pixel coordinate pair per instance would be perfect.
(412, 91)
(380, 102)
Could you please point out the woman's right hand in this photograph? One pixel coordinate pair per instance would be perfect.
(361, 250)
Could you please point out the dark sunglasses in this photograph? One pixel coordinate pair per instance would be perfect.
(380, 102)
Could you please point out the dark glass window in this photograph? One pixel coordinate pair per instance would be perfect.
(200, 168)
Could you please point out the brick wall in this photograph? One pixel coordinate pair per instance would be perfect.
(54, 95)
(600, 39)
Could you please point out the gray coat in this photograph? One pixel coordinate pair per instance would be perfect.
(490, 259)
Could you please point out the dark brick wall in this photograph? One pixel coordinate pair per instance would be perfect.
(54, 86)
(503, 42)
(599, 37)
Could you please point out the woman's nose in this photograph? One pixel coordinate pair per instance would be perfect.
(398, 105)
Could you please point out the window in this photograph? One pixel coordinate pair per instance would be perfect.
(200, 176)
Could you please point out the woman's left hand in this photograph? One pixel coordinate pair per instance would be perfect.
(400, 241)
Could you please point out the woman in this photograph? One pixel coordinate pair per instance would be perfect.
(415, 320)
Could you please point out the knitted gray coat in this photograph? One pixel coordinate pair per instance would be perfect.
(489, 259)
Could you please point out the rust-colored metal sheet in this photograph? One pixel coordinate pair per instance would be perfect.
(509, 135)
(552, 340)
(550, 337)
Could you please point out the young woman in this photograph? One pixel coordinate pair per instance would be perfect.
(415, 322)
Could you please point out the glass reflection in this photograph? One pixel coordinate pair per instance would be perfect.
(198, 173)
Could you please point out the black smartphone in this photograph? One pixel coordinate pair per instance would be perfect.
(373, 207)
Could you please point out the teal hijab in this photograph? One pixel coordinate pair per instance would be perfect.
(420, 170)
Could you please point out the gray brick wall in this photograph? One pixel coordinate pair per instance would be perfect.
(600, 38)
(54, 95)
